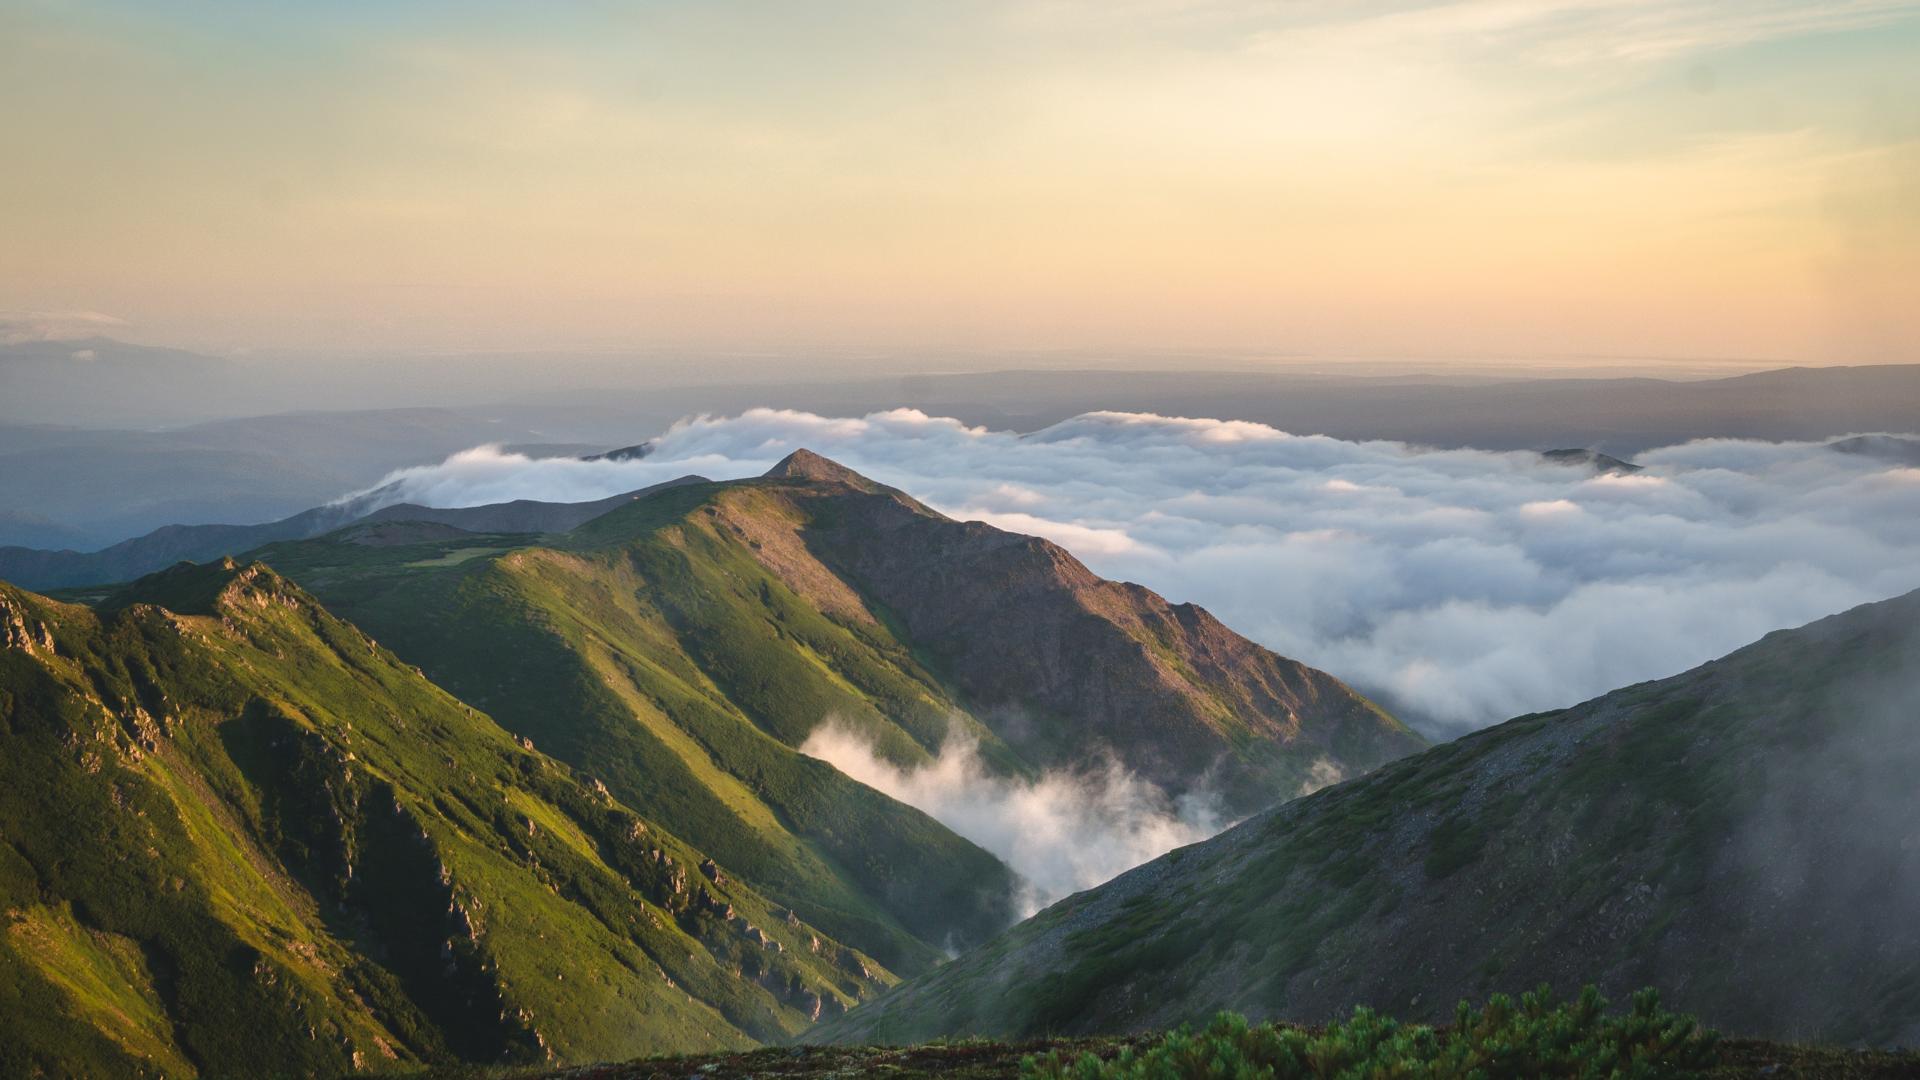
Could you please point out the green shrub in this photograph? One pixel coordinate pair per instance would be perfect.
(1531, 1038)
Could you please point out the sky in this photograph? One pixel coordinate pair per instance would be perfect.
(1683, 178)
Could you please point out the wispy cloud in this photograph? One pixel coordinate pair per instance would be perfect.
(22, 326)
(1062, 832)
(1566, 32)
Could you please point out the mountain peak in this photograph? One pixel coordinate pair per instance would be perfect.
(188, 588)
(804, 464)
(1592, 459)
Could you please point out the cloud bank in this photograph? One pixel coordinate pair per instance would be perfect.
(1063, 832)
(1460, 587)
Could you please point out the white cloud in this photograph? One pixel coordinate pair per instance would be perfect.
(1459, 586)
(1063, 832)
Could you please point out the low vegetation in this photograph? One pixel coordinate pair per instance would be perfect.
(1533, 1053)
(1533, 1037)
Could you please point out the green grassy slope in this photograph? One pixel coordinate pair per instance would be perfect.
(1740, 836)
(683, 647)
(239, 838)
(579, 650)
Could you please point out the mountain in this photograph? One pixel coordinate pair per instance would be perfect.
(1895, 449)
(161, 548)
(1623, 416)
(107, 381)
(239, 838)
(684, 647)
(115, 484)
(522, 515)
(623, 453)
(1589, 459)
(1741, 836)
(18, 527)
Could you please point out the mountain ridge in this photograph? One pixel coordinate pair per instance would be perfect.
(685, 646)
(302, 856)
(117, 563)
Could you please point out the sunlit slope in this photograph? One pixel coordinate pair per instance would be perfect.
(1741, 837)
(238, 838)
(683, 647)
(580, 651)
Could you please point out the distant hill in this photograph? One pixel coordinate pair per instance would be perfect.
(1590, 459)
(109, 382)
(110, 485)
(303, 858)
(107, 486)
(1619, 416)
(21, 529)
(129, 559)
(1741, 836)
(1890, 448)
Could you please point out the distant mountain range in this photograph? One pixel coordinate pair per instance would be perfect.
(1741, 836)
(243, 458)
(137, 386)
(170, 544)
(42, 568)
(101, 487)
(558, 812)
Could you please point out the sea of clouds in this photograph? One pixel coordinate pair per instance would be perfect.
(1459, 587)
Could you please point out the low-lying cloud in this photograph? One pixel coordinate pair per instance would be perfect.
(1460, 587)
(1066, 831)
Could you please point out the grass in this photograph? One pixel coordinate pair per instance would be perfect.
(655, 649)
(652, 651)
(304, 857)
(980, 1059)
(1505, 1040)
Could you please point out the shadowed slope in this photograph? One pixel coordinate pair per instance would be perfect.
(1740, 836)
